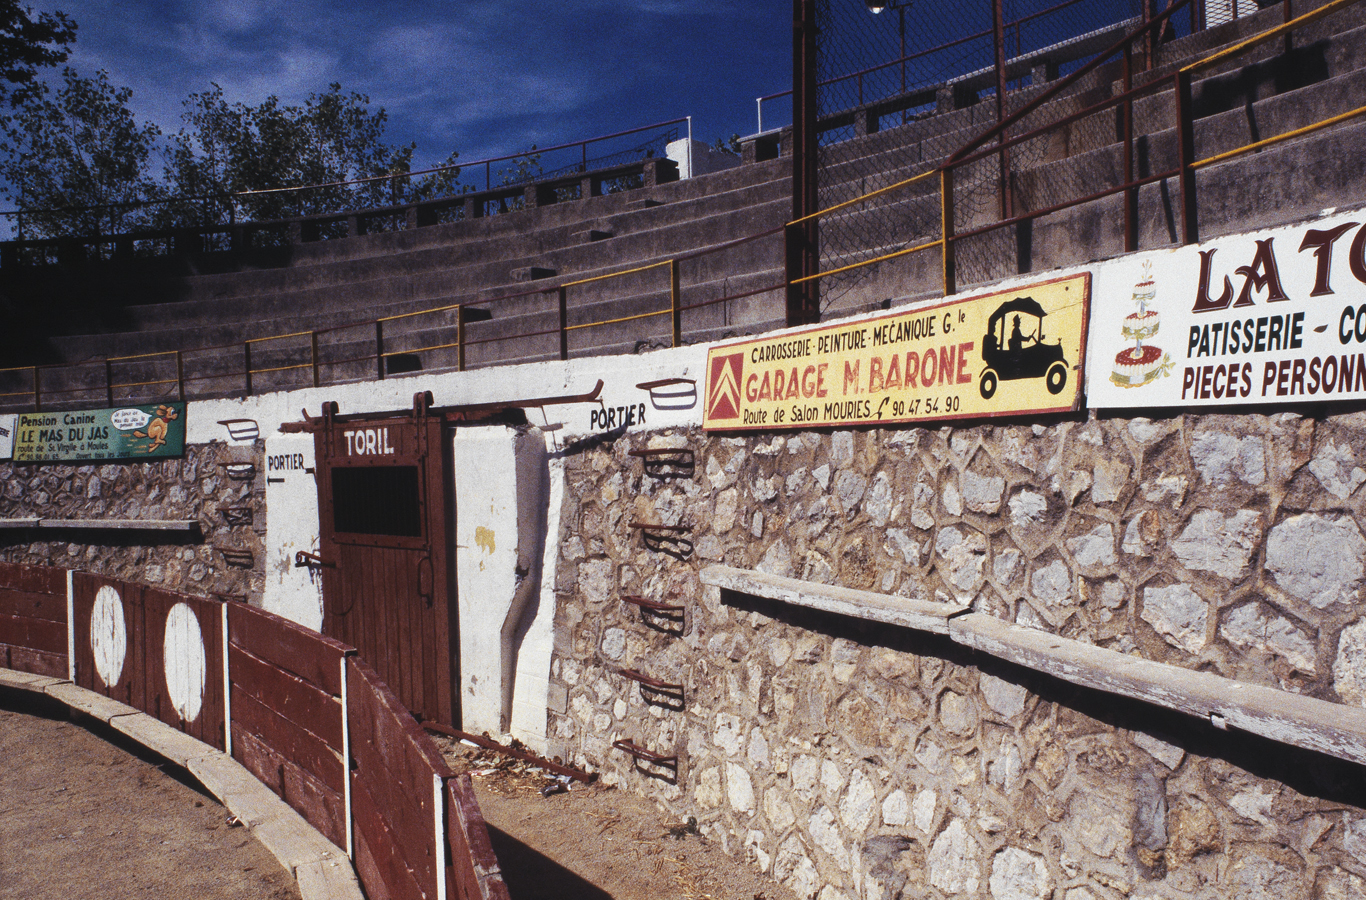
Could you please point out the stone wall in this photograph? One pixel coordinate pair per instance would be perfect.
(210, 479)
(858, 760)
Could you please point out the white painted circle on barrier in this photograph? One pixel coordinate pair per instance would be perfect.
(108, 635)
(183, 652)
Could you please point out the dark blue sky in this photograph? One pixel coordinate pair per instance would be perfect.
(485, 77)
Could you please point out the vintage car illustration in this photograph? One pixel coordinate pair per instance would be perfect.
(1017, 350)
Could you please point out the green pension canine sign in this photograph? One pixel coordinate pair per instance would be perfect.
(128, 432)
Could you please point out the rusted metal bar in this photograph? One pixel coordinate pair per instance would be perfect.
(246, 359)
(667, 463)
(313, 346)
(652, 605)
(524, 755)
(180, 375)
(803, 248)
(109, 381)
(37, 394)
(650, 756)
(305, 560)
(647, 681)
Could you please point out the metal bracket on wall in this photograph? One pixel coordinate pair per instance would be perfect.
(665, 464)
(663, 617)
(238, 558)
(666, 539)
(655, 692)
(305, 560)
(241, 430)
(238, 515)
(240, 471)
(642, 755)
(671, 393)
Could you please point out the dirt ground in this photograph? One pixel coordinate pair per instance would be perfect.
(86, 813)
(594, 842)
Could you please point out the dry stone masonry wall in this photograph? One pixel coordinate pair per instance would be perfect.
(852, 759)
(209, 481)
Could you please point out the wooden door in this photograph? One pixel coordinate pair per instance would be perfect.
(387, 591)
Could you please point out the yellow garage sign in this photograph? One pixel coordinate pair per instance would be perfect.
(1007, 353)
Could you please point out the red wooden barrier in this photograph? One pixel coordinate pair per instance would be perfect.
(33, 619)
(393, 791)
(473, 873)
(298, 703)
(183, 659)
(287, 717)
(109, 638)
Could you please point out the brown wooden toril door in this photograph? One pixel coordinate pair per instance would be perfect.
(383, 517)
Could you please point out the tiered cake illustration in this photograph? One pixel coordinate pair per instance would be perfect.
(1142, 363)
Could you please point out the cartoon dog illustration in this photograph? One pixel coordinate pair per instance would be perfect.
(158, 427)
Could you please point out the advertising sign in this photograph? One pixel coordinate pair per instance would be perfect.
(7, 427)
(1274, 317)
(1006, 353)
(128, 432)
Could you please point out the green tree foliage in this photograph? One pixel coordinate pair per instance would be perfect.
(230, 155)
(78, 156)
(28, 44)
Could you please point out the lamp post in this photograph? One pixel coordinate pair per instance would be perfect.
(877, 6)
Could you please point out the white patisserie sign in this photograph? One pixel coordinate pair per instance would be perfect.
(1273, 317)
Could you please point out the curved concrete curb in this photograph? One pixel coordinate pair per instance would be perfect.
(319, 866)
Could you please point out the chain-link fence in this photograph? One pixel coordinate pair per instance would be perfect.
(914, 81)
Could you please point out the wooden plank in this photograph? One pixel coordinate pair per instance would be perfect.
(322, 806)
(259, 759)
(35, 579)
(416, 739)
(33, 605)
(287, 739)
(34, 634)
(474, 869)
(287, 645)
(922, 615)
(289, 696)
(1331, 728)
(368, 870)
(387, 849)
(35, 662)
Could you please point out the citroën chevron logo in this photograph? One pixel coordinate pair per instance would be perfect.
(723, 387)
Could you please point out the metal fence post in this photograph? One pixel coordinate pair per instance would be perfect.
(71, 626)
(1185, 129)
(460, 336)
(180, 374)
(564, 322)
(37, 394)
(109, 381)
(379, 349)
(246, 358)
(946, 224)
(346, 765)
(313, 338)
(1130, 193)
(227, 689)
(674, 304)
(439, 834)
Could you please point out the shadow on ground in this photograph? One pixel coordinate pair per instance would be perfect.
(533, 876)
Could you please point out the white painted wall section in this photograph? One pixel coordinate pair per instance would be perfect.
(501, 497)
(291, 526)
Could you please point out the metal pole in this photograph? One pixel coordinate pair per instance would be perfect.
(803, 254)
(673, 301)
(946, 232)
(1131, 193)
(758, 101)
(180, 374)
(109, 381)
(313, 336)
(246, 358)
(37, 397)
(1186, 155)
(998, 27)
(379, 349)
(460, 336)
(691, 173)
(564, 323)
